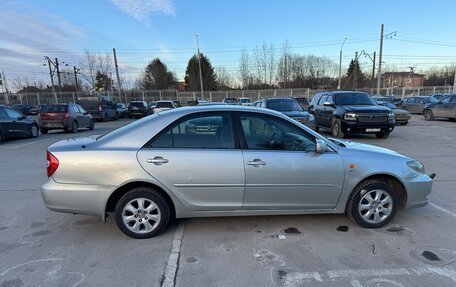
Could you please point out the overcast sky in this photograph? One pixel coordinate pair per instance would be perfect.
(143, 29)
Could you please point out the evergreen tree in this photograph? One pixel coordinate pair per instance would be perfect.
(192, 78)
(355, 76)
(102, 82)
(156, 76)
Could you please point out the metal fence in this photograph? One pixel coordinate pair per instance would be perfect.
(212, 96)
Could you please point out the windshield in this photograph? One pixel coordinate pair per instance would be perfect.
(353, 99)
(137, 104)
(284, 105)
(245, 101)
(164, 105)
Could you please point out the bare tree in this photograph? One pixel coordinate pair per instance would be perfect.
(245, 76)
(92, 63)
(224, 77)
(23, 82)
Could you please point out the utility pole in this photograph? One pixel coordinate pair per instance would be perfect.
(373, 72)
(112, 84)
(58, 74)
(117, 75)
(379, 74)
(52, 77)
(454, 82)
(340, 62)
(199, 64)
(76, 71)
(5, 85)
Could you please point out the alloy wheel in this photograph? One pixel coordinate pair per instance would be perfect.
(375, 206)
(141, 215)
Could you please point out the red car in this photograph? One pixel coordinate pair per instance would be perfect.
(69, 117)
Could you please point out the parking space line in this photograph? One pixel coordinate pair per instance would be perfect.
(296, 278)
(442, 209)
(169, 279)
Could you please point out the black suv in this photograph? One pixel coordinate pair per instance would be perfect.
(137, 109)
(351, 112)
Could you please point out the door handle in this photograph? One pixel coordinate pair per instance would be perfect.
(158, 160)
(256, 162)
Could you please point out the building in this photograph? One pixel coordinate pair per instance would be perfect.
(402, 79)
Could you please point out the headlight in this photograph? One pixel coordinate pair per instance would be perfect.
(350, 116)
(390, 115)
(416, 166)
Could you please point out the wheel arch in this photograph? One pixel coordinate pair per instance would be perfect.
(392, 180)
(119, 192)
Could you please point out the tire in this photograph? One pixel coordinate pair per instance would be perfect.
(34, 131)
(452, 119)
(92, 125)
(44, 131)
(130, 216)
(372, 204)
(382, 135)
(336, 129)
(428, 115)
(116, 117)
(405, 123)
(104, 118)
(74, 127)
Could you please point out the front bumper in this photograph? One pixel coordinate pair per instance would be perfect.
(357, 127)
(75, 198)
(418, 190)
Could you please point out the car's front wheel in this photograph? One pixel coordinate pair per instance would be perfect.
(372, 204)
(428, 115)
(382, 135)
(34, 131)
(142, 213)
(336, 129)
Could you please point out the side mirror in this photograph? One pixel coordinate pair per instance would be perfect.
(423, 102)
(328, 104)
(321, 146)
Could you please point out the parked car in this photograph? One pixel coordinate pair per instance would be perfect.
(446, 108)
(137, 109)
(351, 112)
(177, 104)
(102, 108)
(212, 104)
(245, 101)
(22, 108)
(35, 110)
(69, 117)
(390, 99)
(151, 107)
(163, 106)
(303, 102)
(400, 116)
(289, 107)
(192, 103)
(122, 110)
(14, 124)
(223, 161)
(231, 101)
(415, 105)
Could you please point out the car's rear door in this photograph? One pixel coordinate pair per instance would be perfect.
(198, 159)
(282, 169)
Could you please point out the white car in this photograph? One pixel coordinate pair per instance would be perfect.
(245, 101)
(163, 106)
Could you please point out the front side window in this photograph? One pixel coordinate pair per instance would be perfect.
(264, 132)
(446, 100)
(213, 131)
(322, 100)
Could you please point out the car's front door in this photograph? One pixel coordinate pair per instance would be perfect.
(439, 109)
(319, 111)
(328, 112)
(450, 107)
(16, 125)
(282, 169)
(198, 160)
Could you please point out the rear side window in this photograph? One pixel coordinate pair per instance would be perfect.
(208, 131)
(54, 109)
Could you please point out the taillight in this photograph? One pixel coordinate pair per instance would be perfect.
(52, 164)
(100, 108)
(67, 115)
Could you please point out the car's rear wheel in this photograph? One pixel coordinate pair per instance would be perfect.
(405, 123)
(142, 213)
(428, 115)
(116, 117)
(74, 127)
(34, 131)
(44, 131)
(336, 129)
(372, 204)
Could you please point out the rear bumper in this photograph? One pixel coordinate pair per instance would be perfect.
(356, 127)
(75, 198)
(50, 125)
(418, 190)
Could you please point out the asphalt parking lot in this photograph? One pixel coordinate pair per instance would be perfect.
(39, 247)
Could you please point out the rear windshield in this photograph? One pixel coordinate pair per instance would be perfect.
(245, 101)
(164, 105)
(284, 105)
(54, 109)
(137, 104)
(353, 99)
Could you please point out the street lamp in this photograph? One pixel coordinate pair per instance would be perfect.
(199, 63)
(340, 62)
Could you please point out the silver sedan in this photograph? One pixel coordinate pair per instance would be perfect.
(227, 161)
